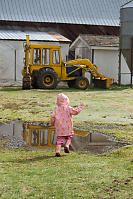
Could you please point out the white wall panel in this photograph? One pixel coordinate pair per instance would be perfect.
(7, 61)
(107, 62)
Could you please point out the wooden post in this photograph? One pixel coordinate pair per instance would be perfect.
(92, 60)
(131, 62)
(119, 73)
(15, 72)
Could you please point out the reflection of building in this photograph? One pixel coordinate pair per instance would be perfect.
(11, 129)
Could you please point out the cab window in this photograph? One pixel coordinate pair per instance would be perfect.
(56, 57)
(37, 56)
(46, 56)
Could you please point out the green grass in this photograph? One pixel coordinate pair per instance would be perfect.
(37, 174)
(121, 133)
(104, 106)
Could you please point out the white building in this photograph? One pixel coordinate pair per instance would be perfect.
(104, 52)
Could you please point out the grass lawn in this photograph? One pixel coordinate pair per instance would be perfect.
(37, 174)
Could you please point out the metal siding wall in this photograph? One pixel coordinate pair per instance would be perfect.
(107, 62)
(126, 27)
(126, 33)
(126, 75)
(7, 61)
(19, 59)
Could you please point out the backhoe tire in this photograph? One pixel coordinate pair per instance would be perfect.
(81, 83)
(47, 79)
(71, 83)
(34, 78)
(26, 84)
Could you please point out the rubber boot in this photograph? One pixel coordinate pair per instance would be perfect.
(58, 150)
(66, 148)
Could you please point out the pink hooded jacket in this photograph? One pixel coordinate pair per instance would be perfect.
(61, 117)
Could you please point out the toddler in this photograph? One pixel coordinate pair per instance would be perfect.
(61, 118)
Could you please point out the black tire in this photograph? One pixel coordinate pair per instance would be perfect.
(82, 83)
(47, 79)
(71, 83)
(26, 83)
(34, 78)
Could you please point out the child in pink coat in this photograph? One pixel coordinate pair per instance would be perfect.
(61, 118)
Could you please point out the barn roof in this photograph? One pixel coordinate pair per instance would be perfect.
(128, 5)
(34, 36)
(101, 40)
(90, 12)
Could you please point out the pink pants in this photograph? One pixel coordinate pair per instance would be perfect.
(60, 139)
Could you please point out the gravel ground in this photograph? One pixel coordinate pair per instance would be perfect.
(12, 142)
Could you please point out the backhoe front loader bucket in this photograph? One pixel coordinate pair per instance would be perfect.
(103, 83)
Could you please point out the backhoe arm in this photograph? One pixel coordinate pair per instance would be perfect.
(92, 68)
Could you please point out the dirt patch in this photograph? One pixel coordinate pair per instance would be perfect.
(10, 105)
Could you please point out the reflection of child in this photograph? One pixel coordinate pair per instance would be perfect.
(61, 118)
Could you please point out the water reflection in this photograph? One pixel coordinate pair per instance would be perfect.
(39, 136)
(42, 136)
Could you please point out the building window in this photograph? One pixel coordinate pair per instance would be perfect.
(56, 57)
(46, 56)
(37, 56)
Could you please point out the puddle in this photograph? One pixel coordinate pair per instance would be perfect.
(40, 136)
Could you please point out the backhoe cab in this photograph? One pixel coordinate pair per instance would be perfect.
(44, 68)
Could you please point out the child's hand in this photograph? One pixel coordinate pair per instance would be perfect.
(48, 124)
(81, 104)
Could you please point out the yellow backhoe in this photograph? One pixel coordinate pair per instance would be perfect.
(44, 68)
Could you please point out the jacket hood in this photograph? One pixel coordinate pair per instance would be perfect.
(62, 100)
